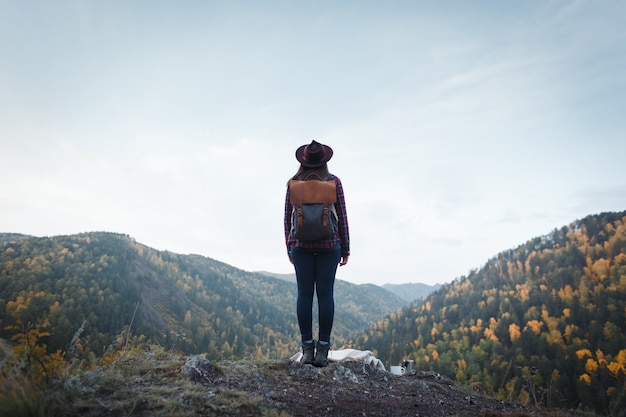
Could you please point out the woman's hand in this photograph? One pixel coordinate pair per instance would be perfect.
(343, 260)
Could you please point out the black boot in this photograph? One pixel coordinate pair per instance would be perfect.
(321, 355)
(308, 350)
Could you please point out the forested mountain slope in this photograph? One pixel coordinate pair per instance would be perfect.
(408, 291)
(411, 291)
(544, 323)
(109, 282)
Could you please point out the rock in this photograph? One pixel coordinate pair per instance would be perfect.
(199, 369)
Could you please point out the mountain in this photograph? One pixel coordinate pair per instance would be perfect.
(284, 277)
(406, 292)
(10, 237)
(544, 323)
(366, 299)
(412, 291)
(105, 283)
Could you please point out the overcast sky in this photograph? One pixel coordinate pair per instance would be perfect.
(460, 129)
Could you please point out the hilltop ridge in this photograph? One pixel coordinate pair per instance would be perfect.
(138, 382)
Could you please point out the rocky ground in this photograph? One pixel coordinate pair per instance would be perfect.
(355, 389)
(168, 384)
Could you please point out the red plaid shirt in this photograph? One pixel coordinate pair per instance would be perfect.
(342, 236)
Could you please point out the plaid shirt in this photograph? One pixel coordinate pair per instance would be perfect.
(343, 235)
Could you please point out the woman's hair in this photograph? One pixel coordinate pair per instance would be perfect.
(305, 173)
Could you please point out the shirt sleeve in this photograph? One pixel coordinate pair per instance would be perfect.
(287, 219)
(342, 217)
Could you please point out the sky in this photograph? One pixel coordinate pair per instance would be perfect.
(459, 129)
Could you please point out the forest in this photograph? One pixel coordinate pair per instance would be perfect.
(544, 323)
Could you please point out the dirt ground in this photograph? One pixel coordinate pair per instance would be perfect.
(356, 389)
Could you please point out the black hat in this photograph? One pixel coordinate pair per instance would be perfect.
(314, 154)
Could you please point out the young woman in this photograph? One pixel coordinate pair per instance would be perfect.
(315, 261)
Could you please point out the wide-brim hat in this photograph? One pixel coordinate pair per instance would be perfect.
(314, 154)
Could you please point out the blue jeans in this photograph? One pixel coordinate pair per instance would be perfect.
(315, 273)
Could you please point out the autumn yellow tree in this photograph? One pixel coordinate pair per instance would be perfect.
(30, 352)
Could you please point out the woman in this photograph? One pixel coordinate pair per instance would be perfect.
(315, 261)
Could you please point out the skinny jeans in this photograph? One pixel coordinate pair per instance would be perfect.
(315, 274)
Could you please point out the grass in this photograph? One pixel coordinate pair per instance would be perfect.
(134, 382)
(18, 398)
